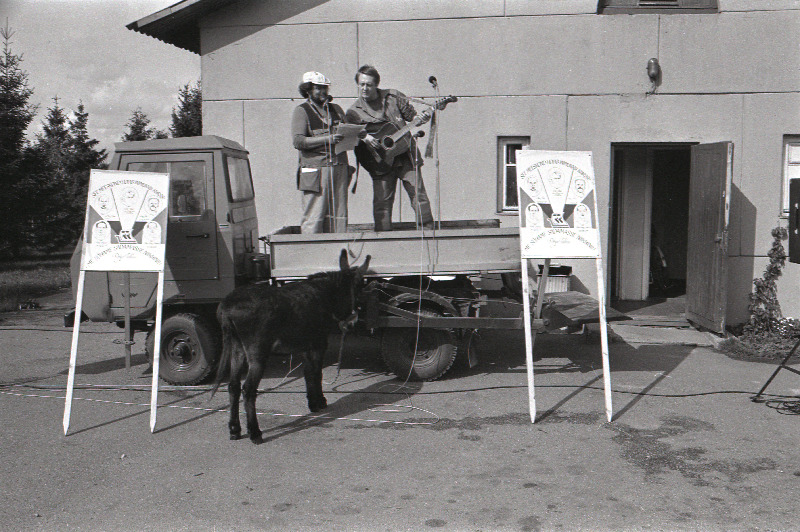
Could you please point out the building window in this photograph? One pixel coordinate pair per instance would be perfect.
(507, 200)
(610, 7)
(791, 168)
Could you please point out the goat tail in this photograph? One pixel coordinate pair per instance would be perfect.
(224, 365)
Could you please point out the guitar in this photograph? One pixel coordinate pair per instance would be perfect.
(395, 140)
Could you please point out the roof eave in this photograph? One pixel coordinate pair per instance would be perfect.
(178, 24)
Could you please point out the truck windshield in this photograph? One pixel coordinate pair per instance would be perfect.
(240, 185)
(187, 185)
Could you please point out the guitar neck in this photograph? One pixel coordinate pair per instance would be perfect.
(397, 135)
(439, 105)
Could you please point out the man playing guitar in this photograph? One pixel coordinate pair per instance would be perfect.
(376, 108)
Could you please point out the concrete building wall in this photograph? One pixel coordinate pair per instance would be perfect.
(552, 70)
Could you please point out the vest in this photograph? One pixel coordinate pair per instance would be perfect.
(320, 156)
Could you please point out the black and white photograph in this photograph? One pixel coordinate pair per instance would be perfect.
(400, 265)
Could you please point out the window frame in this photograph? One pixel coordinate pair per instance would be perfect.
(632, 7)
(789, 141)
(231, 199)
(502, 165)
(169, 159)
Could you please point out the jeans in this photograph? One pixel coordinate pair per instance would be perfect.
(383, 191)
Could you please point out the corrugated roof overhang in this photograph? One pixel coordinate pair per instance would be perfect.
(179, 24)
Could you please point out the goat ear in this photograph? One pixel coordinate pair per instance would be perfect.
(343, 264)
(363, 268)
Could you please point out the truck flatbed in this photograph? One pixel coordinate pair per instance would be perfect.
(461, 247)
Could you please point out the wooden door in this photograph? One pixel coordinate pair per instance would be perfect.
(709, 208)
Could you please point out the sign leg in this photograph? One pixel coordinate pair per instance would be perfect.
(601, 298)
(156, 351)
(128, 335)
(526, 305)
(73, 352)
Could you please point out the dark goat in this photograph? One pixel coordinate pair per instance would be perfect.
(258, 320)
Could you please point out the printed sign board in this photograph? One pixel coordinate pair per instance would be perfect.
(126, 221)
(557, 205)
(558, 219)
(125, 230)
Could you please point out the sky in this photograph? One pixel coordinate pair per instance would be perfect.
(80, 50)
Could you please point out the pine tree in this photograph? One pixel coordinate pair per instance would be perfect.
(48, 188)
(55, 141)
(138, 128)
(187, 119)
(83, 156)
(52, 193)
(16, 114)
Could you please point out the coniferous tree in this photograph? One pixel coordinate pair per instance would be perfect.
(187, 119)
(138, 128)
(48, 187)
(16, 114)
(56, 176)
(84, 154)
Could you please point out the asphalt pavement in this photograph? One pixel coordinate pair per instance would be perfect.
(686, 449)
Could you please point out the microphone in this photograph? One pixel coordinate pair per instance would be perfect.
(419, 134)
(432, 81)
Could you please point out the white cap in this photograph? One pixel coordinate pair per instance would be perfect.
(316, 78)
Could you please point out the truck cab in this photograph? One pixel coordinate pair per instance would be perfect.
(212, 246)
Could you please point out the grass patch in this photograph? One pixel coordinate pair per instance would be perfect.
(24, 280)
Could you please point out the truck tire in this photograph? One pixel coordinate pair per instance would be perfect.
(436, 350)
(189, 349)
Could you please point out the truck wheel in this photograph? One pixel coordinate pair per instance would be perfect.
(436, 350)
(189, 349)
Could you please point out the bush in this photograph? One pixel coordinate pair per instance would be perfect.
(767, 335)
(764, 307)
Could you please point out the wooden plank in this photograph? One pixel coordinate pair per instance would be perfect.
(659, 321)
(575, 308)
(441, 252)
(73, 352)
(400, 226)
(456, 322)
(411, 226)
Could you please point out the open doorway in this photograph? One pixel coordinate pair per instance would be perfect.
(649, 233)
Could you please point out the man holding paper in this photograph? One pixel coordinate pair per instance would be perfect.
(323, 172)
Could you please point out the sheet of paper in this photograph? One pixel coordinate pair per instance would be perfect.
(350, 133)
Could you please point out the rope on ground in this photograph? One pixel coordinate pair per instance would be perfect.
(225, 409)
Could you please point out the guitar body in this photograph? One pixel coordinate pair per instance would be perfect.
(391, 148)
(394, 141)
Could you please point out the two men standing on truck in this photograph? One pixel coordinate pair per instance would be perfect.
(323, 176)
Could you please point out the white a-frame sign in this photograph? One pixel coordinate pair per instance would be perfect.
(125, 230)
(558, 219)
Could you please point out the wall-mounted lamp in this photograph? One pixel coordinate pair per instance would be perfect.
(654, 72)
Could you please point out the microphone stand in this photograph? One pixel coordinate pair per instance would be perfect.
(435, 140)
